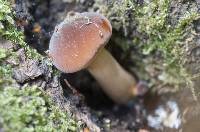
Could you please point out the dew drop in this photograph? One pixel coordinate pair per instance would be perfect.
(101, 34)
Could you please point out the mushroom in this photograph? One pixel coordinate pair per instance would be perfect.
(78, 43)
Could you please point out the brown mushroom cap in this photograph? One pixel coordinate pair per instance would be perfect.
(76, 41)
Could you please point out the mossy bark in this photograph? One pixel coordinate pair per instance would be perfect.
(159, 41)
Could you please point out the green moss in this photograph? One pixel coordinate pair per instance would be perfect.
(160, 28)
(29, 109)
(152, 16)
(5, 75)
(5, 69)
(9, 31)
(153, 19)
(7, 28)
(2, 53)
(24, 109)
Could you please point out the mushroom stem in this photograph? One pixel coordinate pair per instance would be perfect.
(117, 83)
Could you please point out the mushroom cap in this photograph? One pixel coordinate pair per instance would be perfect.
(77, 40)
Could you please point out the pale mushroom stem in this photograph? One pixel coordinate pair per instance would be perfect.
(117, 83)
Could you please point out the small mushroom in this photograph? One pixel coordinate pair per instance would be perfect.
(78, 43)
